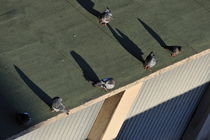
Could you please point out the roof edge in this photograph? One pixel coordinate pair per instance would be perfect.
(112, 93)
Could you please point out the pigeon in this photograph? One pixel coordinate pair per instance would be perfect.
(105, 17)
(175, 50)
(58, 106)
(23, 118)
(150, 61)
(105, 83)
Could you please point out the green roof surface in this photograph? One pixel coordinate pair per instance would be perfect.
(51, 48)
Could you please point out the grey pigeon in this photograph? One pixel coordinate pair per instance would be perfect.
(150, 61)
(105, 83)
(106, 16)
(58, 106)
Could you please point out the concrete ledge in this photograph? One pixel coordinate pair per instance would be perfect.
(121, 112)
(108, 108)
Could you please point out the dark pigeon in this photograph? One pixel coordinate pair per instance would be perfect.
(175, 50)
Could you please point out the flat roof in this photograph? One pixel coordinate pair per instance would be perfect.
(52, 48)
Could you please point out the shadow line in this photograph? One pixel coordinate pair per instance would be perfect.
(157, 37)
(88, 72)
(127, 44)
(155, 122)
(88, 5)
(154, 34)
(39, 92)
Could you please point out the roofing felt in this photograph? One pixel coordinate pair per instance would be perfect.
(56, 48)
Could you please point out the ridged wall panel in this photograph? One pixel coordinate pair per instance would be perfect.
(74, 127)
(166, 103)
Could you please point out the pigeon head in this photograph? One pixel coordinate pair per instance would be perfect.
(179, 48)
(152, 54)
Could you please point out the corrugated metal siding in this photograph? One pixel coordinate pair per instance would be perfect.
(205, 130)
(74, 127)
(165, 103)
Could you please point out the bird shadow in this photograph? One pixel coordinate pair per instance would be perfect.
(127, 44)
(38, 91)
(157, 37)
(88, 72)
(88, 5)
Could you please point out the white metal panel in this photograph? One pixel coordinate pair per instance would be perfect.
(165, 103)
(74, 127)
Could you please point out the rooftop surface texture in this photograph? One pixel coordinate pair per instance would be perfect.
(53, 48)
